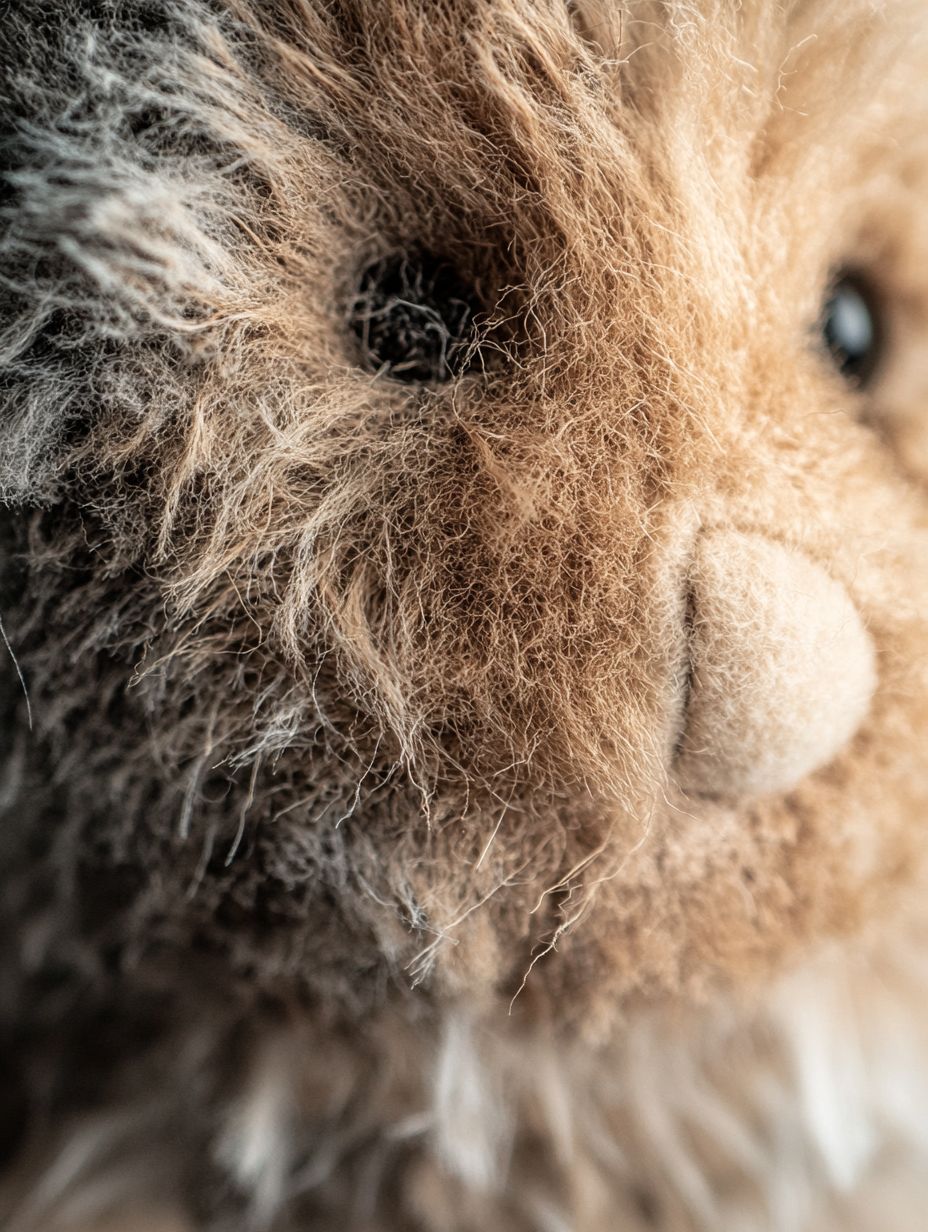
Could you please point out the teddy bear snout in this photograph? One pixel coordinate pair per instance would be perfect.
(781, 667)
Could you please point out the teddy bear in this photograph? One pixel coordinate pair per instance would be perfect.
(464, 615)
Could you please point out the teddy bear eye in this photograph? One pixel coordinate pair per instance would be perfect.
(851, 327)
(414, 318)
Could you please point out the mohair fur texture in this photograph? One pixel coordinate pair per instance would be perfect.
(466, 643)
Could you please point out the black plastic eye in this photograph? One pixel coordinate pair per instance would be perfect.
(852, 328)
(414, 317)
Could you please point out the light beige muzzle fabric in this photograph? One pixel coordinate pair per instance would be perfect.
(782, 669)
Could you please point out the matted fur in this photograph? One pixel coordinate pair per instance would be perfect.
(347, 877)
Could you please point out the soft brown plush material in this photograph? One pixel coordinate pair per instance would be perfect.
(466, 638)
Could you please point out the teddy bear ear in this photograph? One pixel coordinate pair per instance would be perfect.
(415, 316)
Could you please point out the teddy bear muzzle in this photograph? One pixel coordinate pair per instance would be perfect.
(782, 670)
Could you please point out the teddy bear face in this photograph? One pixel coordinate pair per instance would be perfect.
(458, 549)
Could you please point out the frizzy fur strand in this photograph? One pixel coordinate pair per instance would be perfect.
(357, 695)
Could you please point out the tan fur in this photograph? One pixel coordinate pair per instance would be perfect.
(358, 706)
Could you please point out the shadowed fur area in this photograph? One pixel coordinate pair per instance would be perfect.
(418, 448)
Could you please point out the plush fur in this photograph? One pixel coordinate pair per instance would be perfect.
(484, 789)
